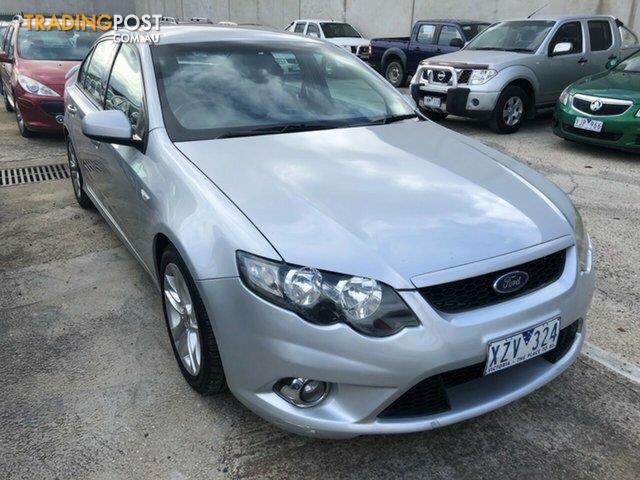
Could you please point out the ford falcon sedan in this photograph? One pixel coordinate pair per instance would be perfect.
(343, 265)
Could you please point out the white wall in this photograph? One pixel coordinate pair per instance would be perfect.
(372, 17)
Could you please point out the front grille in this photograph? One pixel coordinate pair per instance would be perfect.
(441, 76)
(463, 76)
(606, 109)
(610, 136)
(53, 108)
(429, 396)
(476, 292)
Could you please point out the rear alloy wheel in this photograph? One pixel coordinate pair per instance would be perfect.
(24, 130)
(192, 338)
(510, 110)
(395, 74)
(76, 177)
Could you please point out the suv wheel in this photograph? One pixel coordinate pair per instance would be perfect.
(395, 74)
(76, 177)
(192, 339)
(510, 110)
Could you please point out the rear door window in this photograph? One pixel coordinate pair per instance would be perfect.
(300, 27)
(426, 33)
(313, 29)
(600, 35)
(448, 33)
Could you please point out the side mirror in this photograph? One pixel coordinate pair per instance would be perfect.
(109, 126)
(562, 48)
(612, 63)
(4, 58)
(456, 42)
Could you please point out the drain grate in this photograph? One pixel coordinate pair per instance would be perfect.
(39, 173)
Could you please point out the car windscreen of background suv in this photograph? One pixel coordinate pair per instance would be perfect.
(55, 44)
(518, 36)
(209, 90)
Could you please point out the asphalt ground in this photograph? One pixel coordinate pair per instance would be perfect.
(89, 387)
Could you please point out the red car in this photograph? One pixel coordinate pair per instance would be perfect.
(33, 69)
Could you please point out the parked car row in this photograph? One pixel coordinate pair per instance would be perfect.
(33, 66)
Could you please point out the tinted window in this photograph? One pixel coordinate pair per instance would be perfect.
(515, 36)
(96, 70)
(335, 30)
(448, 33)
(600, 36)
(210, 90)
(569, 32)
(426, 33)
(628, 37)
(299, 27)
(473, 29)
(54, 44)
(125, 91)
(313, 29)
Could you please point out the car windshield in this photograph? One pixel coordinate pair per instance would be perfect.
(335, 30)
(55, 44)
(515, 36)
(215, 90)
(473, 29)
(631, 64)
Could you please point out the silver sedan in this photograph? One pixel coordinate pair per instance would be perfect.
(341, 264)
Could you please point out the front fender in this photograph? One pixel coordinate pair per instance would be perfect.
(394, 52)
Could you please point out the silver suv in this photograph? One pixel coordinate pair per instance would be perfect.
(517, 66)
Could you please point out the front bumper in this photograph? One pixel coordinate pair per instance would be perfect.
(42, 114)
(261, 344)
(618, 131)
(474, 101)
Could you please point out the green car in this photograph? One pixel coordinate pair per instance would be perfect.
(603, 109)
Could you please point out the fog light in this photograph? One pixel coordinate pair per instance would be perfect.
(302, 392)
(475, 102)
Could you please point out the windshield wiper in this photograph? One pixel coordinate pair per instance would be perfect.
(489, 48)
(385, 120)
(525, 50)
(294, 127)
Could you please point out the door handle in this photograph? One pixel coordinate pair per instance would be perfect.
(582, 60)
(71, 109)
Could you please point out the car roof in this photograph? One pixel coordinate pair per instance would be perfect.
(452, 20)
(318, 20)
(175, 34)
(559, 18)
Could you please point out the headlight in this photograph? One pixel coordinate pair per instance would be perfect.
(478, 77)
(35, 87)
(324, 298)
(583, 244)
(564, 96)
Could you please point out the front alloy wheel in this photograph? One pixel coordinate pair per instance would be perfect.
(22, 127)
(76, 177)
(510, 110)
(192, 340)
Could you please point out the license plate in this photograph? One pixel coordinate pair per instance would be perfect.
(588, 124)
(433, 102)
(522, 346)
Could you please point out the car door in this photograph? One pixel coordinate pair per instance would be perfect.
(125, 165)
(422, 46)
(6, 68)
(86, 96)
(602, 48)
(448, 33)
(557, 70)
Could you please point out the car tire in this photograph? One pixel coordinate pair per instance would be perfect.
(510, 110)
(7, 105)
(22, 126)
(205, 375)
(435, 116)
(395, 73)
(77, 181)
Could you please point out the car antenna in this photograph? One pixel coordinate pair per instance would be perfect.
(537, 10)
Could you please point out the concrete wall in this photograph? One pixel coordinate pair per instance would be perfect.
(372, 17)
